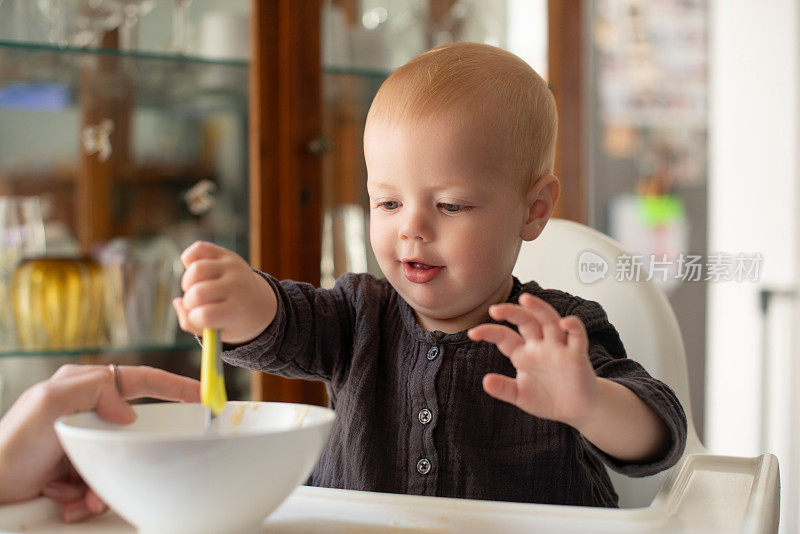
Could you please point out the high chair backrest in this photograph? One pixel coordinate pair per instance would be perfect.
(567, 256)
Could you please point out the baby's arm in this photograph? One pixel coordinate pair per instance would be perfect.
(287, 328)
(556, 380)
(623, 426)
(221, 291)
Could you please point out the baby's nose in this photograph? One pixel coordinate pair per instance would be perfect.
(415, 226)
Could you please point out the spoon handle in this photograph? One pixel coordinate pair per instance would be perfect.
(212, 381)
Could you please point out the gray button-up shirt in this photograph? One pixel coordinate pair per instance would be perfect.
(382, 371)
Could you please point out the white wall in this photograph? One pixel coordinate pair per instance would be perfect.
(754, 197)
(526, 24)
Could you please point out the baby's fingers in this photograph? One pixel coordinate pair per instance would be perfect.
(200, 271)
(203, 294)
(501, 387)
(507, 340)
(183, 318)
(202, 250)
(527, 323)
(215, 315)
(545, 314)
(577, 338)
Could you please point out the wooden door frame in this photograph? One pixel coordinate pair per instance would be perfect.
(285, 177)
(569, 81)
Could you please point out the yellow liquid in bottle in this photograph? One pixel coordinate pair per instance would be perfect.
(58, 303)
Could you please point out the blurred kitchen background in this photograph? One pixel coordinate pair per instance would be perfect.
(130, 128)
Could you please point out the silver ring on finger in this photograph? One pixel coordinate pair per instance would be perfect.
(115, 371)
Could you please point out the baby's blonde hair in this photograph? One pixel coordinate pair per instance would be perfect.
(469, 81)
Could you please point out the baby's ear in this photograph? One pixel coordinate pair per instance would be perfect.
(539, 204)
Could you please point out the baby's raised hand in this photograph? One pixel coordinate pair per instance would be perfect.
(555, 379)
(221, 291)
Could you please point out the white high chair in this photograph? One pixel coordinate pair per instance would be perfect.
(648, 328)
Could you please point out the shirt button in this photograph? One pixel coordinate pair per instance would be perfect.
(433, 352)
(425, 416)
(423, 466)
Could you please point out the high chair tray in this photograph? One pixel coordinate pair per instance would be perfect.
(707, 494)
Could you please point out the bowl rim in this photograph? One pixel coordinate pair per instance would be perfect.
(162, 436)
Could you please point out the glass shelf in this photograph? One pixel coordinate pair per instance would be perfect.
(22, 45)
(51, 77)
(65, 58)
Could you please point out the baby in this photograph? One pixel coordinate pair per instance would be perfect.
(450, 377)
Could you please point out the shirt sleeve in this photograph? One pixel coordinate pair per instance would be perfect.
(310, 336)
(608, 358)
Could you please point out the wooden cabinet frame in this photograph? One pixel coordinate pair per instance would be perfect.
(285, 177)
(568, 81)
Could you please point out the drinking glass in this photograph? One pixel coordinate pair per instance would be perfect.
(132, 10)
(142, 277)
(79, 23)
(180, 26)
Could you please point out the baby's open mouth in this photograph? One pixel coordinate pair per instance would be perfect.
(419, 272)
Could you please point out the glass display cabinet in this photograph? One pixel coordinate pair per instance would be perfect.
(128, 142)
(118, 159)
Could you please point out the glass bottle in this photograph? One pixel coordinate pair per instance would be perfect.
(142, 277)
(58, 304)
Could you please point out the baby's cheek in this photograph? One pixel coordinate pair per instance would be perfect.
(377, 237)
(493, 252)
(382, 245)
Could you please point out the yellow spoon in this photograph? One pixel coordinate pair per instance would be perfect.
(212, 381)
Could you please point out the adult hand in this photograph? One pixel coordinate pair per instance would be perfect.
(32, 461)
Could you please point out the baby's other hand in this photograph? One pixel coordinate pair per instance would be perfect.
(221, 291)
(555, 379)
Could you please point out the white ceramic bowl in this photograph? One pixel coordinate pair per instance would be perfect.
(164, 473)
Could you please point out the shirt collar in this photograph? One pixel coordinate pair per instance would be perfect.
(441, 338)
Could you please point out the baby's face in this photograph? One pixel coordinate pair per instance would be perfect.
(445, 219)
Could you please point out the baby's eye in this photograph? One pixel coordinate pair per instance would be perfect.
(453, 208)
(389, 205)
